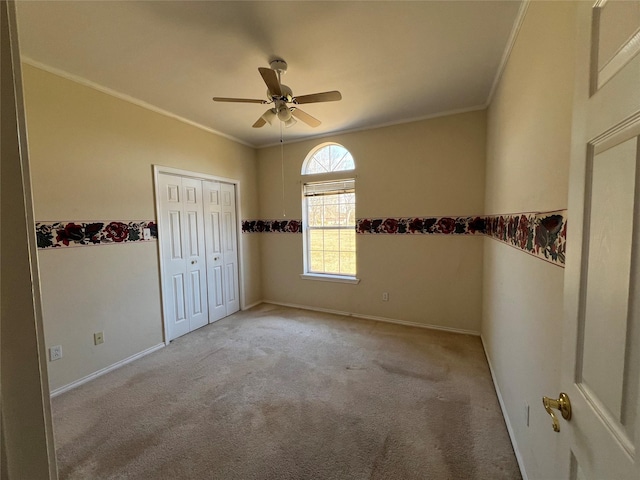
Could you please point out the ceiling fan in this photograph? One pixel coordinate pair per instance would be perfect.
(281, 96)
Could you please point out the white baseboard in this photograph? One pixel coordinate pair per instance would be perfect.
(372, 317)
(102, 371)
(512, 435)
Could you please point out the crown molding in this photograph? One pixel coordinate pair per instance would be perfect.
(513, 36)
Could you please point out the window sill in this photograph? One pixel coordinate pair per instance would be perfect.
(329, 278)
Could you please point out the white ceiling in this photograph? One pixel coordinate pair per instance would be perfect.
(393, 61)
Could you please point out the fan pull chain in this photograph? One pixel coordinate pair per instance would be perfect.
(284, 211)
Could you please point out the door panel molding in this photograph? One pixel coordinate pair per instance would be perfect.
(625, 46)
(178, 298)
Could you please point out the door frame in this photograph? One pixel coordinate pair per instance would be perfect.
(161, 169)
(27, 442)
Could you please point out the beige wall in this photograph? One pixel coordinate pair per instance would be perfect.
(428, 168)
(92, 157)
(528, 142)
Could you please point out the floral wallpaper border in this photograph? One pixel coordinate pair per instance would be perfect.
(272, 226)
(78, 234)
(421, 225)
(542, 234)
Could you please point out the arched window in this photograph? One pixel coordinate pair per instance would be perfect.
(327, 158)
(329, 215)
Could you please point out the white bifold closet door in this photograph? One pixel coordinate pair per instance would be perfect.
(222, 249)
(183, 252)
(198, 246)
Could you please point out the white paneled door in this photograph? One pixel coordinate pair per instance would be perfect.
(215, 258)
(230, 248)
(182, 233)
(601, 342)
(222, 249)
(198, 246)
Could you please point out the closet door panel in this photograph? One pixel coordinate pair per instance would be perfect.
(214, 250)
(193, 239)
(230, 246)
(174, 265)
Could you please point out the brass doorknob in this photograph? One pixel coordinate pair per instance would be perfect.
(562, 403)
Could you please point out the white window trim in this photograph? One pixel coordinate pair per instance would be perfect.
(310, 178)
(327, 277)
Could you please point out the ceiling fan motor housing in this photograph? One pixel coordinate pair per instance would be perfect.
(287, 94)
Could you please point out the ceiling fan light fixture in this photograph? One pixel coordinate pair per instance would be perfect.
(269, 115)
(284, 114)
(290, 123)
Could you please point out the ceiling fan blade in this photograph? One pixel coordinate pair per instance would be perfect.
(238, 100)
(271, 80)
(259, 123)
(305, 117)
(332, 96)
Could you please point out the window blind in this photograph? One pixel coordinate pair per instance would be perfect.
(329, 188)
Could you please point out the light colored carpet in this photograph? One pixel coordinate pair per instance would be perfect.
(281, 393)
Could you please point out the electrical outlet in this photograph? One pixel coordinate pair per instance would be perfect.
(55, 353)
(146, 234)
(98, 338)
(385, 296)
